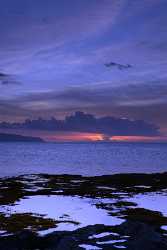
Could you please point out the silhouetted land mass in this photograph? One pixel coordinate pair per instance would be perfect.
(18, 138)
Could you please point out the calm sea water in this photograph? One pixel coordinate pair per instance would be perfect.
(81, 158)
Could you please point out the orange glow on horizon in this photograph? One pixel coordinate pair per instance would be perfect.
(76, 136)
(84, 136)
(81, 136)
(137, 138)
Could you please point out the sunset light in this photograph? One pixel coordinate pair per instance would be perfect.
(138, 139)
(75, 137)
(83, 124)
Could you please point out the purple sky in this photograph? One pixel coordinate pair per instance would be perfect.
(53, 55)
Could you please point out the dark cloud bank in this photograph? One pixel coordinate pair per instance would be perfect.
(82, 122)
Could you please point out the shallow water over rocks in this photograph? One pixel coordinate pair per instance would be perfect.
(74, 212)
(105, 212)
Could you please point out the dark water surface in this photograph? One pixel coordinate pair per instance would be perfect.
(88, 159)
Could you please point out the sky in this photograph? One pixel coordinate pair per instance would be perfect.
(106, 58)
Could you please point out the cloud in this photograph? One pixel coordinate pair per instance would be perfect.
(82, 122)
(118, 65)
(42, 43)
(7, 79)
(135, 94)
(141, 101)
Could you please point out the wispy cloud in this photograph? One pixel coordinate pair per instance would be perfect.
(146, 101)
(118, 65)
(7, 79)
(56, 48)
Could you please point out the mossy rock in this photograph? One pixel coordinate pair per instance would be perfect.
(18, 222)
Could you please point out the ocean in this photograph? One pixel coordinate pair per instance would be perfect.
(87, 159)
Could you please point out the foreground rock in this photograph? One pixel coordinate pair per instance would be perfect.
(141, 229)
(130, 235)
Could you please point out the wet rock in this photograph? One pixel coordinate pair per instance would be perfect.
(144, 215)
(141, 225)
(142, 236)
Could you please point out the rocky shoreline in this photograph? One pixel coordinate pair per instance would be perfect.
(140, 228)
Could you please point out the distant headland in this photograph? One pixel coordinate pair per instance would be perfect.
(18, 138)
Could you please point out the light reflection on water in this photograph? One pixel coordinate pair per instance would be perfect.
(65, 208)
(82, 210)
(152, 201)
